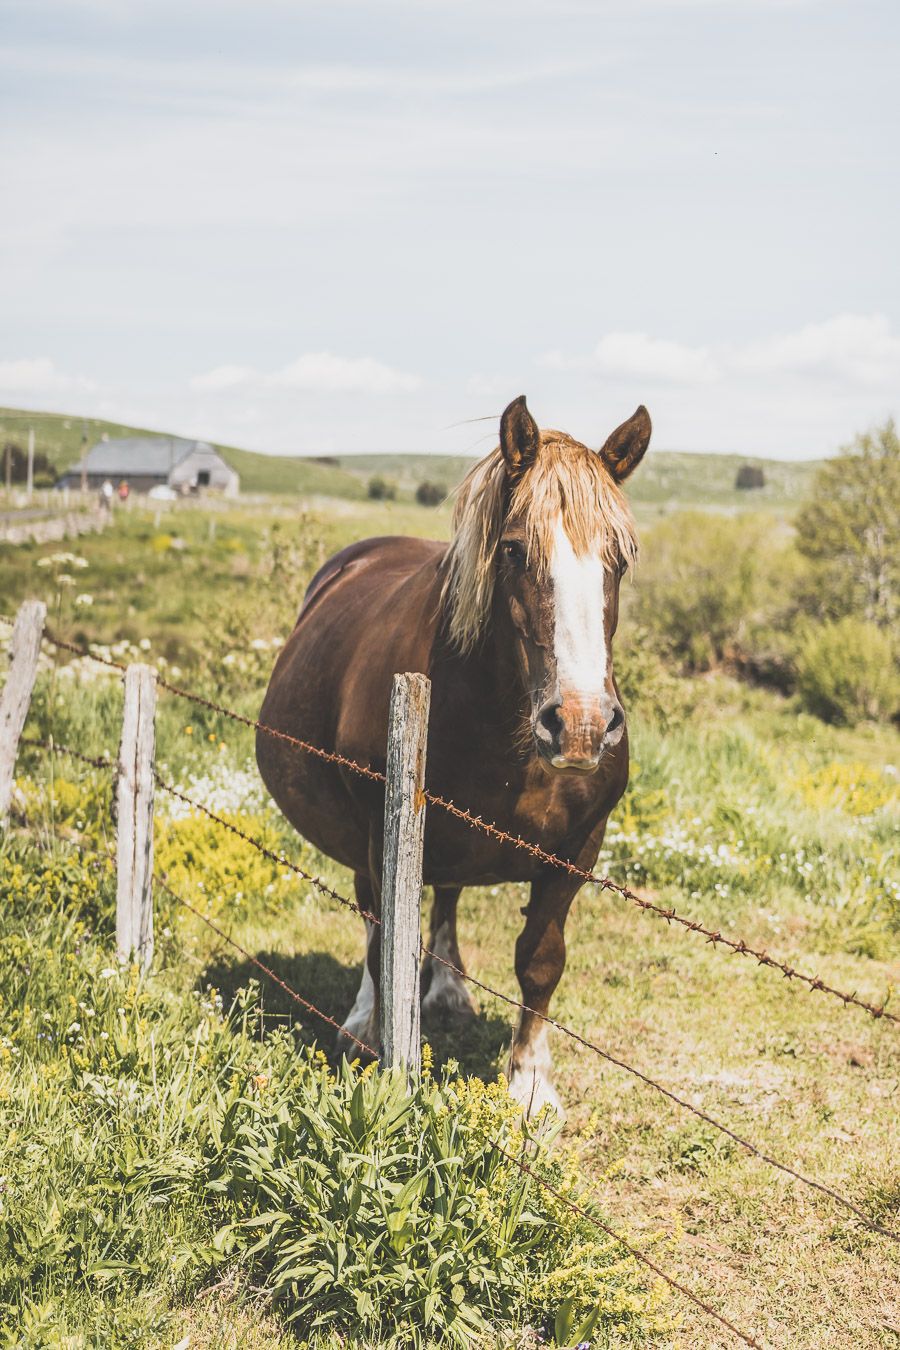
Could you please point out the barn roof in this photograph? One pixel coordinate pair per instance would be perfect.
(141, 454)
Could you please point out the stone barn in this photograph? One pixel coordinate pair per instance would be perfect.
(144, 462)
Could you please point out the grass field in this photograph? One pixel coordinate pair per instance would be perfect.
(741, 812)
(668, 480)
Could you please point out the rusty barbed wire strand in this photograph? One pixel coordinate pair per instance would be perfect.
(745, 1144)
(279, 858)
(324, 888)
(570, 1204)
(104, 855)
(561, 1027)
(671, 915)
(736, 945)
(330, 756)
(260, 965)
(95, 761)
(632, 1251)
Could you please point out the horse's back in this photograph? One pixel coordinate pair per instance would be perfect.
(369, 612)
(386, 556)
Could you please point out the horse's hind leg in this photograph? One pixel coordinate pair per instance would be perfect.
(447, 993)
(362, 1019)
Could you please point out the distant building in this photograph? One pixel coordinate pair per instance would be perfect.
(148, 461)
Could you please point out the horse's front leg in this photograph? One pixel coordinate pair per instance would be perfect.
(447, 994)
(362, 1020)
(540, 960)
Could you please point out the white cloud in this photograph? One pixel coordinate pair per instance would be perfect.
(338, 374)
(38, 377)
(222, 378)
(853, 348)
(849, 349)
(637, 356)
(315, 372)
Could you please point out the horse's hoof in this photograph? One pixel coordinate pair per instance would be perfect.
(533, 1092)
(448, 1000)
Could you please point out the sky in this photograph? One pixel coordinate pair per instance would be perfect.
(361, 225)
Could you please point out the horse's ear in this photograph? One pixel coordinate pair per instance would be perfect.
(520, 438)
(625, 448)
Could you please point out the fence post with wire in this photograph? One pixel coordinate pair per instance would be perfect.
(24, 651)
(134, 825)
(401, 890)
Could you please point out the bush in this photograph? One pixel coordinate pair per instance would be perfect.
(850, 530)
(697, 582)
(648, 685)
(380, 490)
(846, 672)
(363, 1208)
(430, 494)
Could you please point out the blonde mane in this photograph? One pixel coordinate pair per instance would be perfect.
(566, 482)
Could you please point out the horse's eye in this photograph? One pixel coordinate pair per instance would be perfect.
(514, 550)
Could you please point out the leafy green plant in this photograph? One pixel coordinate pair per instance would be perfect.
(846, 672)
(696, 583)
(362, 1206)
(850, 529)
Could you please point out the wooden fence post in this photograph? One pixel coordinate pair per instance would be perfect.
(401, 891)
(24, 650)
(134, 845)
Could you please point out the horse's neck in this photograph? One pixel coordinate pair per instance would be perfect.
(480, 692)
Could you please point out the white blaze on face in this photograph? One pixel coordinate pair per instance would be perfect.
(579, 634)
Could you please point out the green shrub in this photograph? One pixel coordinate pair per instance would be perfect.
(850, 530)
(846, 672)
(430, 494)
(381, 490)
(361, 1207)
(696, 583)
(648, 683)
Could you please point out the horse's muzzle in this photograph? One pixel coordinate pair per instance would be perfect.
(572, 735)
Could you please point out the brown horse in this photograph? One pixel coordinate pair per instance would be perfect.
(513, 622)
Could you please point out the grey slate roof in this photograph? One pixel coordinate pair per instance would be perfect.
(140, 455)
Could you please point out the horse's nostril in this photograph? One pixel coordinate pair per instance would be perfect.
(615, 721)
(551, 721)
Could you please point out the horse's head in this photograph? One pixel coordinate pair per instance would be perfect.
(543, 537)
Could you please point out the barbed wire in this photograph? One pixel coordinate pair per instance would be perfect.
(261, 965)
(573, 1206)
(633, 1251)
(714, 936)
(280, 858)
(101, 761)
(324, 888)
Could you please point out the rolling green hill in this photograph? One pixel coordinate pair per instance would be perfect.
(60, 438)
(666, 480)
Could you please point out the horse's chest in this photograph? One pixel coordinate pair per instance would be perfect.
(558, 815)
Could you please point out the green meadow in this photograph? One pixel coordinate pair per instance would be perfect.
(174, 1147)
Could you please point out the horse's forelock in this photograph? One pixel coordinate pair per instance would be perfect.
(566, 482)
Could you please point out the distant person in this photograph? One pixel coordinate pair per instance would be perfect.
(106, 495)
(124, 490)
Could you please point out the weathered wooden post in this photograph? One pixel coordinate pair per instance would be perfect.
(401, 891)
(134, 847)
(24, 650)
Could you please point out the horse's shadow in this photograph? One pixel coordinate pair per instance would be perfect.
(475, 1044)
